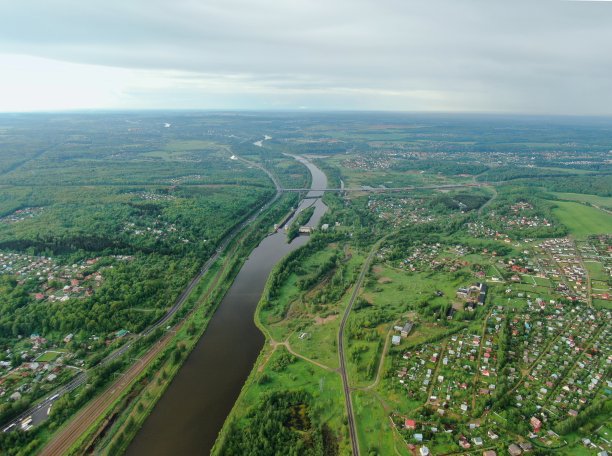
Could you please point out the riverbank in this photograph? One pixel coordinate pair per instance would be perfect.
(77, 434)
(191, 412)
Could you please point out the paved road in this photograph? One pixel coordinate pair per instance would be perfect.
(345, 383)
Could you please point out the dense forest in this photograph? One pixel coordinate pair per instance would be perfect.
(281, 424)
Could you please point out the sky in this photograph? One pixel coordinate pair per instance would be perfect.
(533, 57)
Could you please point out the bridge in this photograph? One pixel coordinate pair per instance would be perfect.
(388, 189)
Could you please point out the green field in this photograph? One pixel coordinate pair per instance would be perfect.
(49, 356)
(583, 221)
(601, 201)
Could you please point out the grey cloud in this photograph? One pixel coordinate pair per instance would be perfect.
(544, 56)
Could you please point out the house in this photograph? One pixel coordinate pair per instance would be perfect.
(410, 424)
(424, 451)
(418, 437)
(514, 450)
(407, 328)
(395, 340)
(477, 441)
(489, 453)
(536, 424)
(68, 338)
(526, 446)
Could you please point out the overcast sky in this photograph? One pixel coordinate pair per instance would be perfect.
(538, 57)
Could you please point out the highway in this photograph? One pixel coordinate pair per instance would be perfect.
(40, 411)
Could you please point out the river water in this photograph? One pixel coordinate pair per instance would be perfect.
(190, 414)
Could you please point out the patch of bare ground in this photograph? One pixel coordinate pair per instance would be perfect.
(321, 321)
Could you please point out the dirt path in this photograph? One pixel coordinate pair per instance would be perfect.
(345, 383)
(490, 200)
(482, 340)
(382, 360)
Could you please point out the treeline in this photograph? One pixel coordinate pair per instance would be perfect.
(507, 173)
(459, 201)
(599, 407)
(600, 185)
(324, 268)
(446, 167)
(281, 424)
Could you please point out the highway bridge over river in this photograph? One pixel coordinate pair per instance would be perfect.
(388, 189)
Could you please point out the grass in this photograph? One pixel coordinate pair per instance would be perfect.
(602, 201)
(49, 356)
(320, 324)
(583, 221)
(374, 428)
(324, 386)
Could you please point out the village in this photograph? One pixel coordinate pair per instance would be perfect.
(35, 364)
(48, 280)
(523, 374)
(400, 211)
(22, 214)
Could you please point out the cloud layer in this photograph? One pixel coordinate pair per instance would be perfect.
(468, 55)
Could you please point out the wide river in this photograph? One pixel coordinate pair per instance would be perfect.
(190, 414)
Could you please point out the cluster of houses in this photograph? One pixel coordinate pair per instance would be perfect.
(435, 257)
(399, 211)
(404, 331)
(501, 227)
(41, 366)
(157, 230)
(451, 376)
(53, 282)
(561, 263)
(152, 196)
(567, 377)
(183, 179)
(474, 295)
(559, 361)
(368, 162)
(21, 215)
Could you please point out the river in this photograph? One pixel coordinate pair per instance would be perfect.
(190, 414)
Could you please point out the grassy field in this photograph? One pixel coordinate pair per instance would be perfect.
(49, 356)
(269, 376)
(602, 201)
(581, 220)
(375, 430)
